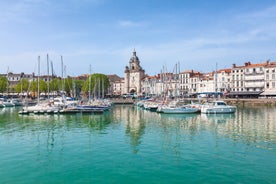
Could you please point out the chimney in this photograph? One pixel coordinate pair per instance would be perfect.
(234, 65)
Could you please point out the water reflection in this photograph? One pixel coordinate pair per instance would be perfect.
(253, 126)
(134, 121)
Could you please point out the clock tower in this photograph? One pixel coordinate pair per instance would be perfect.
(134, 74)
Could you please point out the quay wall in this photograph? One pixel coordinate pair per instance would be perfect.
(251, 102)
(231, 101)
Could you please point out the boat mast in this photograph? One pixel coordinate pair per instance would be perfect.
(48, 79)
(216, 81)
(38, 82)
(89, 86)
(62, 80)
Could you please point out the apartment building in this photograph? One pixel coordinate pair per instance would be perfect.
(270, 79)
(116, 84)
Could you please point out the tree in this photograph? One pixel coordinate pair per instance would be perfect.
(96, 84)
(55, 84)
(3, 84)
(22, 86)
(42, 86)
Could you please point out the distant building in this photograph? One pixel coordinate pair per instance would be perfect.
(116, 84)
(247, 80)
(134, 74)
(270, 79)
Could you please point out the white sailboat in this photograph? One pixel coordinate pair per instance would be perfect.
(40, 107)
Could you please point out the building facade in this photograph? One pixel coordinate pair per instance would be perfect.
(134, 75)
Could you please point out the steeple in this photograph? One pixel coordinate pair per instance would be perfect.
(134, 53)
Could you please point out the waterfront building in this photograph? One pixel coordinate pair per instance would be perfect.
(188, 80)
(151, 85)
(270, 80)
(205, 84)
(224, 80)
(134, 74)
(116, 85)
(247, 80)
(14, 78)
(195, 82)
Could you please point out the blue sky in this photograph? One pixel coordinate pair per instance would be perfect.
(103, 33)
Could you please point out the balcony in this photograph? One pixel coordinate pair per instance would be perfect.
(254, 78)
(254, 85)
(254, 73)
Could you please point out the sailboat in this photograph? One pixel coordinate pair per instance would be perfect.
(174, 107)
(40, 107)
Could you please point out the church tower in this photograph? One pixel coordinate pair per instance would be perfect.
(134, 74)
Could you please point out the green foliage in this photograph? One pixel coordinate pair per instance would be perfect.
(68, 85)
(23, 86)
(96, 84)
(55, 84)
(3, 84)
(42, 86)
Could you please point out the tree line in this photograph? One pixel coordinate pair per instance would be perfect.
(99, 83)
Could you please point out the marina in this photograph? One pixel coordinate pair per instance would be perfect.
(132, 145)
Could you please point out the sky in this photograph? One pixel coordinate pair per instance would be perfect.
(197, 34)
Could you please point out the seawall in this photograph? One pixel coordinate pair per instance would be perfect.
(251, 102)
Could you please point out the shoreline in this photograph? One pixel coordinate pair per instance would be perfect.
(241, 102)
(251, 102)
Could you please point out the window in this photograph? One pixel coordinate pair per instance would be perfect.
(267, 85)
(273, 84)
(273, 76)
(267, 77)
(254, 70)
(261, 69)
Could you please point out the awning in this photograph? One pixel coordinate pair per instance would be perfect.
(233, 93)
(268, 93)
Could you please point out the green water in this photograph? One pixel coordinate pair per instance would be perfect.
(130, 145)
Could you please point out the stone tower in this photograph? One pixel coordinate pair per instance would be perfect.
(134, 74)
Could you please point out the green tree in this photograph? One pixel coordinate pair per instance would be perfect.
(68, 85)
(3, 84)
(42, 86)
(96, 84)
(23, 86)
(55, 84)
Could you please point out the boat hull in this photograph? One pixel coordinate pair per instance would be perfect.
(218, 110)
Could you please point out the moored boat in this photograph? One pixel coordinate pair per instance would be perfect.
(185, 109)
(217, 107)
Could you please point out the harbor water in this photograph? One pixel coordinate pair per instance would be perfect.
(131, 145)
